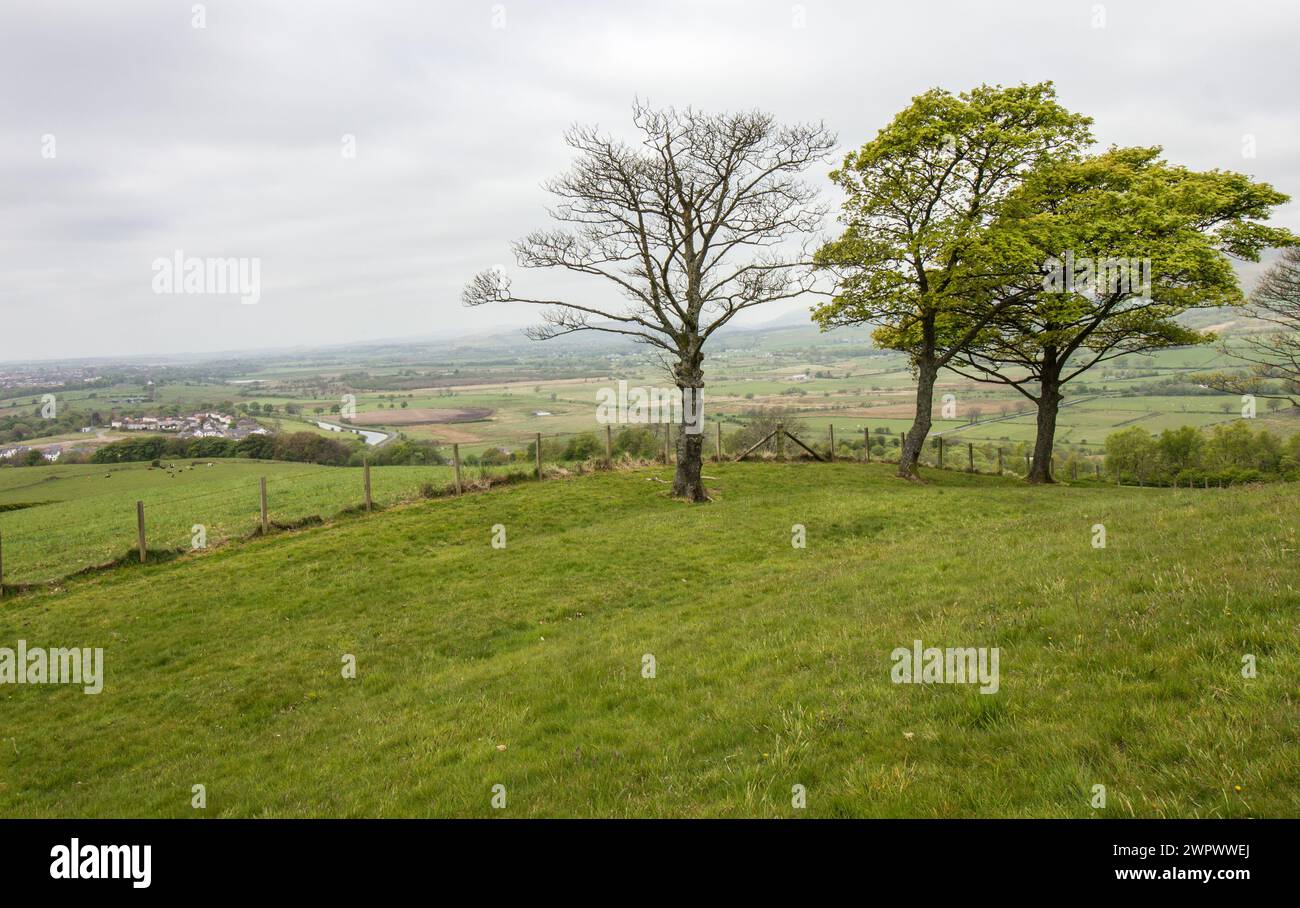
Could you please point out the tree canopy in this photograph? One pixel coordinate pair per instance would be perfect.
(915, 258)
(1129, 242)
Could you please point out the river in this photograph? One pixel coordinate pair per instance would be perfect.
(372, 437)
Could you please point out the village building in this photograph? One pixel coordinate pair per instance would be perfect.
(196, 425)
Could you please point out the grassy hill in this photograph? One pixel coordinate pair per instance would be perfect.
(56, 520)
(522, 666)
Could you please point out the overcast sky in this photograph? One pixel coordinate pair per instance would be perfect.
(126, 133)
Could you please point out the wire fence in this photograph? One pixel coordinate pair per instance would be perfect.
(42, 542)
(149, 512)
(762, 437)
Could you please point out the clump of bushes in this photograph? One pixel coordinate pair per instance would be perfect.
(400, 453)
(1231, 453)
(301, 447)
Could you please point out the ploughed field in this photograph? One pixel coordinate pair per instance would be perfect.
(416, 416)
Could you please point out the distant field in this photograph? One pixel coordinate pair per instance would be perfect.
(824, 379)
(411, 416)
(83, 515)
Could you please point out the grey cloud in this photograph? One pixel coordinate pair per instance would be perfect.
(226, 141)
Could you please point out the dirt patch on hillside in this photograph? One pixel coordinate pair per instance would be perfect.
(519, 383)
(448, 435)
(421, 416)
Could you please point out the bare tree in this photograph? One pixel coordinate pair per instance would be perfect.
(698, 221)
(1273, 354)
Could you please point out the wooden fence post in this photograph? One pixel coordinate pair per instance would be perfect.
(940, 452)
(369, 502)
(609, 443)
(2, 565)
(755, 446)
(266, 523)
(999, 461)
(832, 444)
(668, 444)
(455, 460)
(815, 456)
(1098, 466)
(539, 455)
(866, 440)
(139, 530)
(719, 455)
(780, 441)
(970, 455)
(1027, 467)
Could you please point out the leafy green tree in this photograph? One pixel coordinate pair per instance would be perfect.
(1132, 452)
(915, 258)
(1289, 463)
(1235, 446)
(256, 447)
(212, 447)
(150, 447)
(637, 442)
(1180, 449)
(1128, 243)
(308, 447)
(584, 446)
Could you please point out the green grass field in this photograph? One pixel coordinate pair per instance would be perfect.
(522, 666)
(76, 516)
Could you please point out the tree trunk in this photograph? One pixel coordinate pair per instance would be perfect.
(914, 441)
(1049, 402)
(690, 459)
(689, 376)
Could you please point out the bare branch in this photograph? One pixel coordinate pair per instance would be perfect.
(689, 226)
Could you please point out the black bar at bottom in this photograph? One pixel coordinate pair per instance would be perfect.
(332, 857)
